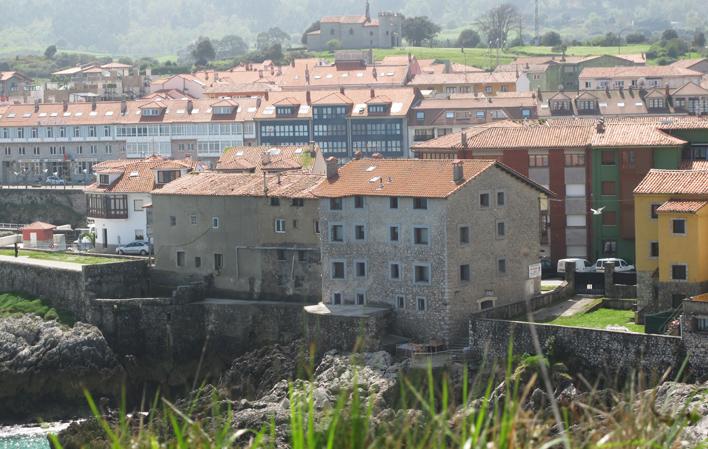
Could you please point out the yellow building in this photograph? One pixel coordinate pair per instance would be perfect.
(671, 226)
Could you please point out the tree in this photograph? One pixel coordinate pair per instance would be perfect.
(675, 48)
(271, 37)
(230, 46)
(669, 34)
(497, 22)
(333, 45)
(50, 52)
(418, 29)
(203, 51)
(551, 39)
(468, 38)
(313, 27)
(699, 40)
(635, 38)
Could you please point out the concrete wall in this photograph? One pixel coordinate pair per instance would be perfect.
(56, 206)
(591, 349)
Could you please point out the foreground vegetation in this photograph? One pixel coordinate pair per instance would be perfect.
(16, 305)
(59, 257)
(600, 319)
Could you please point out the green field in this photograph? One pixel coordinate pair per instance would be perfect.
(60, 257)
(600, 319)
(530, 50)
(13, 305)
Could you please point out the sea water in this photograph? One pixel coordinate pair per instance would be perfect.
(28, 436)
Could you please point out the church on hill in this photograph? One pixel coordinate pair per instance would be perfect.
(358, 32)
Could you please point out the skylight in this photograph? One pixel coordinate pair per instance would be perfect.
(239, 153)
(134, 174)
(298, 150)
(371, 168)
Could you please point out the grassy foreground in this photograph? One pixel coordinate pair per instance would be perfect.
(59, 257)
(600, 319)
(14, 305)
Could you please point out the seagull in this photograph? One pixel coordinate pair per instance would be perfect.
(597, 211)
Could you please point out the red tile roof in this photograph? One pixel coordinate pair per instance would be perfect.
(682, 206)
(637, 71)
(674, 182)
(136, 176)
(278, 158)
(283, 185)
(427, 79)
(694, 165)
(426, 178)
(39, 225)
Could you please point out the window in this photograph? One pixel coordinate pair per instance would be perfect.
(197, 262)
(679, 272)
(394, 270)
(281, 255)
(280, 225)
(218, 261)
(488, 304)
(654, 215)
(702, 324)
(629, 159)
(608, 187)
(501, 266)
(421, 236)
(336, 298)
(358, 202)
(484, 200)
(215, 222)
(359, 232)
(420, 116)
(609, 218)
(678, 226)
(575, 220)
(653, 249)
(538, 160)
(607, 157)
(294, 224)
(338, 270)
(193, 219)
(501, 229)
(137, 205)
(180, 258)
(421, 304)
(274, 201)
(464, 273)
(400, 302)
(139, 234)
(420, 203)
(574, 160)
(173, 220)
(301, 256)
(609, 247)
(393, 202)
(336, 233)
(464, 234)
(360, 298)
(360, 269)
(393, 233)
(317, 226)
(501, 199)
(421, 273)
(335, 204)
(575, 190)
(297, 202)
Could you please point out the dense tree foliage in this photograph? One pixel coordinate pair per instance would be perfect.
(203, 51)
(497, 22)
(50, 52)
(551, 39)
(416, 30)
(468, 38)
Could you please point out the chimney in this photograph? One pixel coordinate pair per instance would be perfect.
(36, 105)
(667, 91)
(93, 103)
(190, 107)
(123, 107)
(258, 102)
(265, 158)
(373, 73)
(313, 148)
(358, 154)
(621, 91)
(65, 105)
(600, 126)
(331, 167)
(631, 91)
(538, 94)
(372, 93)
(458, 174)
(463, 139)
(308, 97)
(265, 95)
(341, 90)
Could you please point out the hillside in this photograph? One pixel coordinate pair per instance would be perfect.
(136, 28)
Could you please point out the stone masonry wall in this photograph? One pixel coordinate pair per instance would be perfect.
(598, 350)
(56, 206)
(695, 340)
(345, 333)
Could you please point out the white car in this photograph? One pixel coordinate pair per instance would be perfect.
(55, 181)
(138, 247)
(581, 265)
(621, 265)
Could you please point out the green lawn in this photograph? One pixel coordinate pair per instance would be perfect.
(61, 257)
(12, 305)
(582, 51)
(600, 319)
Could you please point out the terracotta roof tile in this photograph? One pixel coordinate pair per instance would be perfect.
(682, 206)
(636, 71)
(426, 79)
(136, 176)
(674, 182)
(40, 225)
(283, 185)
(278, 158)
(694, 165)
(622, 135)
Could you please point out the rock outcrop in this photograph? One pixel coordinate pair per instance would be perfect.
(675, 399)
(44, 364)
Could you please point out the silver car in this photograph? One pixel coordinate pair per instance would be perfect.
(621, 265)
(137, 248)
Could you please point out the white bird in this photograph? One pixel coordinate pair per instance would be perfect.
(597, 211)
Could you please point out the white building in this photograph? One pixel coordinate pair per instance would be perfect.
(637, 77)
(118, 201)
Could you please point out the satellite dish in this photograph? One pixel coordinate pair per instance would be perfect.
(46, 170)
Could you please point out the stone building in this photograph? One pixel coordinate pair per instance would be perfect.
(358, 32)
(671, 219)
(434, 239)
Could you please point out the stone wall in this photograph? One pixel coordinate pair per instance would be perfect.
(56, 206)
(519, 309)
(618, 291)
(695, 340)
(600, 351)
(347, 332)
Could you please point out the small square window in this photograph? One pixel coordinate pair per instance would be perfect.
(336, 298)
(654, 214)
(420, 203)
(316, 224)
(358, 202)
(197, 262)
(484, 200)
(137, 205)
(501, 266)
(501, 199)
(335, 204)
(400, 302)
(336, 233)
(501, 229)
(359, 232)
(297, 202)
(421, 236)
(280, 225)
(421, 274)
(360, 268)
(678, 226)
(337, 270)
(360, 298)
(464, 234)
(653, 249)
(464, 272)
(393, 233)
(393, 202)
(394, 271)
(608, 157)
(421, 304)
(180, 258)
(274, 201)
(679, 272)
(215, 222)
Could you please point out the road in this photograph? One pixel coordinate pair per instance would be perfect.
(35, 187)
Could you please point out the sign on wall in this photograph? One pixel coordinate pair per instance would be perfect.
(534, 270)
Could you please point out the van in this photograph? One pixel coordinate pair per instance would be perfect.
(581, 265)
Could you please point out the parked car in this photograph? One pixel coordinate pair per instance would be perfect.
(138, 247)
(55, 181)
(581, 265)
(547, 268)
(621, 265)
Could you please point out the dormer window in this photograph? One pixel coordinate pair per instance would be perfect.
(377, 109)
(150, 112)
(656, 103)
(560, 105)
(165, 176)
(284, 110)
(222, 110)
(586, 105)
(103, 180)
